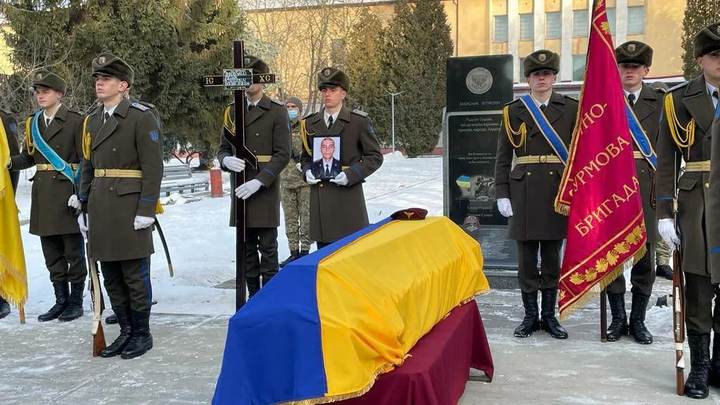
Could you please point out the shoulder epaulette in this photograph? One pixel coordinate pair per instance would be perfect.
(309, 115)
(679, 86)
(277, 102)
(139, 106)
(360, 113)
(570, 97)
(510, 102)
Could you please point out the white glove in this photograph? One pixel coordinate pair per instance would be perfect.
(83, 226)
(142, 222)
(233, 164)
(341, 179)
(311, 180)
(74, 202)
(505, 207)
(298, 167)
(666, 229)
(246, 190)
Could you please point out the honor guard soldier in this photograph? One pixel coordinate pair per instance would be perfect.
(267, 135)
(9, 126)
(121, 174)
(634, 59)
(295, 191)
(537, 129)
(53, 137)
(685, 135)
(337, 205)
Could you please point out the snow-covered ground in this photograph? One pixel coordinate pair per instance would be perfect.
(202, 244)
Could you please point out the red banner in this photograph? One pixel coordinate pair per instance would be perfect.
(599, 192)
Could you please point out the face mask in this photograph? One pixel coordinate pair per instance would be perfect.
(293, 114)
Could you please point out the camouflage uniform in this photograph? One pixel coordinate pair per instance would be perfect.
(296, 199)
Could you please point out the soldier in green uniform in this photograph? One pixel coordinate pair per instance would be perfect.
(337, 206)
(295, 192)
(9, 125)
(53, 139)
(267, 135)
(526, 194)
(634, 59)
(121, 175)
(685, 135)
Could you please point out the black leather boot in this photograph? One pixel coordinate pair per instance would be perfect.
(141, 340)
(619, 325)
(696, 385)
(253, 285)
(4, 308)
(664, 271)
(637, 319)
(61, 302)
(714, 379)
(549, 323)
(74, 309)
(123, 316)
(111, 320)
(530, 322)
(294, 254)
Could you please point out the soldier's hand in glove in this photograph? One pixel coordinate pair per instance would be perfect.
(233, 164)
(505, 207)
(82, 224)
(142, 222)
(74, 202)
(310, 179)
(341, 179)
(246, 190)
(666, 229)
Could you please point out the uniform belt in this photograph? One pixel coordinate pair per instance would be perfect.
(535, 159)
(638, 155)
(123, 173)
(48, 167)
(702, 166)
(263, 158)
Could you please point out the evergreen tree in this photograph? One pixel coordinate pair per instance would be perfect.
(698, 15)
(415, 52)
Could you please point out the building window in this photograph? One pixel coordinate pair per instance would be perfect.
(553, 25)
(526, 27)
(501, 28)
(580, 23)
(578, 67)
(636, 20)
(611, 20)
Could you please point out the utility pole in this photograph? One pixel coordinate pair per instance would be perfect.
(392, 113)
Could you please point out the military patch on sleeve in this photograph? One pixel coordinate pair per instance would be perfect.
(139, 107)
(155, 135)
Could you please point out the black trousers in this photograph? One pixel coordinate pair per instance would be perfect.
(261, 253)
(531, 279)
(642, 276)
(699, 296)
(127, 283)
(64, 257)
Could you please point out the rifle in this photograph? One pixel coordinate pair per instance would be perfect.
(679, 321)
(98, 304)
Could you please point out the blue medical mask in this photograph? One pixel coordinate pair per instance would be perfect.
(292, 114)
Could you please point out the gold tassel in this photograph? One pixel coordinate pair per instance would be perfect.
(675, 126)
(511, 133)
(304, 137)
(86, 140)
(28, 137)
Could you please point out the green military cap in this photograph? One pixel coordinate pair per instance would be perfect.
(634, 52)
(256, 64)
(540, 60)
(332, 77)
(707, 40)
(45, 78)
(107, 64)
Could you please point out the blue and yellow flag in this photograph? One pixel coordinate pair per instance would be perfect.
(329, 323)
(13, 279)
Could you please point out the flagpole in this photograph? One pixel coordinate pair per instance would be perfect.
(603, 316)
(21, 311)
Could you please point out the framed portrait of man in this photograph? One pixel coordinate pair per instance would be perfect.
(326, 157)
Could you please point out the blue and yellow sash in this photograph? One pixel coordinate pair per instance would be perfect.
(49, 153)
(556, 143)
(640, 137)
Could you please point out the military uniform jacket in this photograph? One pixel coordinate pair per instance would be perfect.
(714, 200)
(292, 177)
(337, 211)
(532, 188)
(130, 139)
(267, 135)
(691, 101)
(49, 212)
(648, 108)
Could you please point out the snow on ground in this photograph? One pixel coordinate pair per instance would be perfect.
(202, 245)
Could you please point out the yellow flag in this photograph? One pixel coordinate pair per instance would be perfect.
(13, 277)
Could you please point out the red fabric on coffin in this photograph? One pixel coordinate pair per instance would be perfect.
(438, 366)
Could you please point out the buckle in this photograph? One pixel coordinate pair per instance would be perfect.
(543, 159)
(100, 172)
